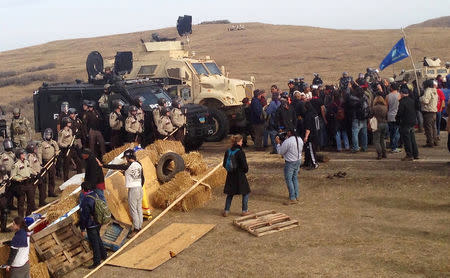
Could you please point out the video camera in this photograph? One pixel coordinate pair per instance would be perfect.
(282, 135)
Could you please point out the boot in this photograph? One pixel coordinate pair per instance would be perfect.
(379, 156)
(383, 154)
(3, 221)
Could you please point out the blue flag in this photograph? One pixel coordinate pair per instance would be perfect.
(397, 53)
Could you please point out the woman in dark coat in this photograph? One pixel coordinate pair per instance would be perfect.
(236, 182)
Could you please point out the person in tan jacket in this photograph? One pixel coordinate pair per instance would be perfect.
(36, 168)
(178, 119)
(116, 124)
(22, 183)
(133, 126)
(165, 127)
(48, 149)
(66, 142)
(429, 101)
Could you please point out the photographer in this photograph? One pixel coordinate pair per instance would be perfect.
(291, 150)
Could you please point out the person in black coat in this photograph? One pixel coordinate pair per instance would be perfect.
(236, 182)
(94, 173)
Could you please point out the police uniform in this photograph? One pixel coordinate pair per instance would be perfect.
(20, 131)
(165, 126)
(23, 186)
(157, 115)
(68, 152)
(134, 129)
(61, 116)
(178, 121)
(7, 160)
(93, 123)
(4, 186)
(79, 132)
(46, 151)
(36, 168)
(116, 124)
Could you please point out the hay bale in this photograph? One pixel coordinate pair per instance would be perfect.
(108, 157)
(170, 191)
(62, 207)
(39, 270)
(69, 189)
(160, 147)
(217, 178)
(197, 198)
(33, 257)
(194, 163)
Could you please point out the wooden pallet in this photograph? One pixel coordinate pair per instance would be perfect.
(62, 247)
(265, 222)
(114, 234)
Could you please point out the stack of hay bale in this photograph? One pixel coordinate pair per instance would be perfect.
(195, 168)
(65, 203)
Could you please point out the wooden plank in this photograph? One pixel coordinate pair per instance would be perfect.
(116, 195)
(153, 252)
(49, 230)
(174, 203)
(277, 230)
(253, 215)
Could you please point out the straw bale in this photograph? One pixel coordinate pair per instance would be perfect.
(108, 157)
(218, 178)
(4, 254)
(39, 270)
(197, 198)
(160, 147)
(170, 191)
(69, 189)
(62, 207)
(194, 163)
(33, 257)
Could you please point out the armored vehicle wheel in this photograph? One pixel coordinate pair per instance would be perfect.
(222, 125)
(166, 170)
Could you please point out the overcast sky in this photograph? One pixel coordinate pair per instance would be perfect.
(29, 22)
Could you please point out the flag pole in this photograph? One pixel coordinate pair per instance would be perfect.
(412, 60)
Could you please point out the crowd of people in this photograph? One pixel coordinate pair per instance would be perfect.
(348, 117)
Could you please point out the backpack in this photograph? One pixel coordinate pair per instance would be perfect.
(102, 214)
(231, 163)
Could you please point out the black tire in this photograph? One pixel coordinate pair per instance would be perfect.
(192, 144)
(222, 125)
(165, 174)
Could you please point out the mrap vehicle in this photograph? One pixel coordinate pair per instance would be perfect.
(48, 98)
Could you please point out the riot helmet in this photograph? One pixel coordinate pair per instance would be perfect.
(8, 145)
(16, 113)
(65, 121)
(72, 111)
(48, 134)
(65, 107)
(161, 102)
(19, 152)
(164, 111)
(176, 103)
(132, 109)
(107, 88)
(90, 103)
(117, 103)
(31, 146)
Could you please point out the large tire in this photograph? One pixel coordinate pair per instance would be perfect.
(163, 172)
(192, 143)
(222, 125)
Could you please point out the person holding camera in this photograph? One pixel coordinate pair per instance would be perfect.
(291, 150)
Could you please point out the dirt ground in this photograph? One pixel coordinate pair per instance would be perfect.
(384, 219)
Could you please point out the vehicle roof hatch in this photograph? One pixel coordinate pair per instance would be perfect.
(123, 62)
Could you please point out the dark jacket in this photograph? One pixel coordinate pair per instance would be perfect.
(94, 173)
(286, 118)
(87, 210)
(256, 110)
(236, 182)
(93, 120)
(406, 114)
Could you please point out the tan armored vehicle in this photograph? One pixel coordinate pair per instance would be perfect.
(195, 80)
(431, 69)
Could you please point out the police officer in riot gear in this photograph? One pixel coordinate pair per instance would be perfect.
(66, 140)
(116, 123)
(178, 119)
(133, 127)
(165, 126)
(64, 113)
(22, 184)
(48, 149)
(94, 123)
(36, 169)
(4, 188)
(8, 158)
(20, 129)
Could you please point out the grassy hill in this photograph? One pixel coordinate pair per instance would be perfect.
(443, 21)
(271, 53)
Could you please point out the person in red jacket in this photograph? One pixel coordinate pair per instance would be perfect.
(440, 108)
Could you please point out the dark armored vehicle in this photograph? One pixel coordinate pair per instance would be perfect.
(48, 98)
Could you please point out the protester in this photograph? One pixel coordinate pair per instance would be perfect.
(134, 181)
(89, 225)
(247, 130)
(236, 182)
(319, 106)
(358, 107)
(286, 117)
(310, 137)
(94, 174)
(257, 119)
(291, 150)
(337, 124)
(406, 120)
(429, 102)
(440, 108)
(18, 260)
(392, 100)
(272, 127)
(380, 111)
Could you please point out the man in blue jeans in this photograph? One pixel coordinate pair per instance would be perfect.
(291, 150)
